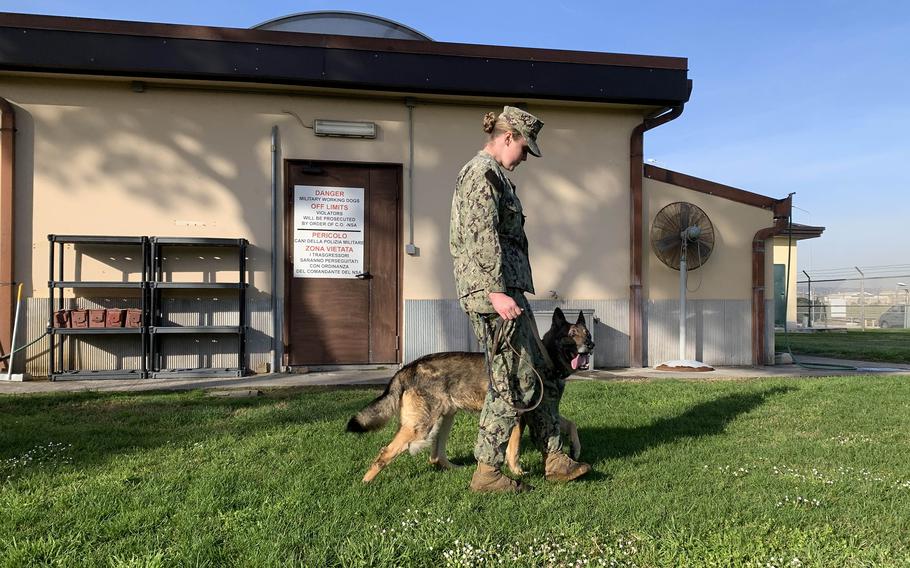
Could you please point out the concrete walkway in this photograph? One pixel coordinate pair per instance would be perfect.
(814, 367)
(381, 376)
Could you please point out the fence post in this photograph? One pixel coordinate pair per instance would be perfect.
(862, 296)
(810, 296)
(906, 305)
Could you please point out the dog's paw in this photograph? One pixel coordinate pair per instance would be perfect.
(517, 470)
(444, 465)
(575, 452)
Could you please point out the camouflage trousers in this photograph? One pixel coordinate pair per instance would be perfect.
(515, 386)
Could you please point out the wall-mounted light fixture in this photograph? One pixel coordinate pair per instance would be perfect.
(344, 128)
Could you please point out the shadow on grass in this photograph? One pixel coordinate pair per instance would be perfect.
(705, 419)
(102, 425)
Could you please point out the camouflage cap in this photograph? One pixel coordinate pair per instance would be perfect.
(526, 124)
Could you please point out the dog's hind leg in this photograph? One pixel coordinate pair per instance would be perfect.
(512, 449)
(438, 454)
(568, 428)
(399, 443)
(413, 430)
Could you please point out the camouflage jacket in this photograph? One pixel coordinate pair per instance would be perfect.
(486, 235)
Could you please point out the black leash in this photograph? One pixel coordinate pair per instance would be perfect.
(496, 347)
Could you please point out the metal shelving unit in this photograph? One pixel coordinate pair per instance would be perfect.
(56, 287)
(158, 286)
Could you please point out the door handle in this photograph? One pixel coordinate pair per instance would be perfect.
(363, 276)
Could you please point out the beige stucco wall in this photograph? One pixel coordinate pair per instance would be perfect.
(781, 248)
(576, 199)
(727, 274)
(94, 157)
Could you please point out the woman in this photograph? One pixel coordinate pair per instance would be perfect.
(492, 274)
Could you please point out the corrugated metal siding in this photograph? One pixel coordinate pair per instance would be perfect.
(34, 315)
(209, 311)
(198, 350)
(105, 353)
(432, 326)
(179, 351)
(611, 327)
(182, 352)
(738, 332)
(259, 335)
(718, 332)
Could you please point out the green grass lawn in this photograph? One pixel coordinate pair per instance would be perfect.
(782, 472)
(892, 346)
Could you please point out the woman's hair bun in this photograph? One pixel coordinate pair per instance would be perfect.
(489, 122)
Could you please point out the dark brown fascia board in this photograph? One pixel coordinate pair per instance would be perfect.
(801, 232)
(49, 44)
(777, 206)
(242, 35)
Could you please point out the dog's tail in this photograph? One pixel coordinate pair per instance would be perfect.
(377, 413)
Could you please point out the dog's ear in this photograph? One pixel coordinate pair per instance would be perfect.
(581, 319)
(559, 318)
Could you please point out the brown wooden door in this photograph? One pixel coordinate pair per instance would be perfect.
(343, 320)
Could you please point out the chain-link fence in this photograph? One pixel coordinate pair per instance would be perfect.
(873, 297)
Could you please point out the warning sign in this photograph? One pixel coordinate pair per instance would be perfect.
(328, 231)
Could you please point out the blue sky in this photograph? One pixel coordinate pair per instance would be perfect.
(805, 97)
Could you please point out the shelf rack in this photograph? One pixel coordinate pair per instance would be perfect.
(56, 287)
(158, 287)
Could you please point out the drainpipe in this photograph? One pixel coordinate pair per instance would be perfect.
(277, 340)
(782, 210)
(411, 248)
(636, 168)
(7, 177)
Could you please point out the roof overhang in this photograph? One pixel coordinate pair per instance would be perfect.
(801, 232)
(779, 207)
(52, 44)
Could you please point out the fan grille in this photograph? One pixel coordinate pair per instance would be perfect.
(667, 240)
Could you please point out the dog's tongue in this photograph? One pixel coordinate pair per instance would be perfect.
(580, 360)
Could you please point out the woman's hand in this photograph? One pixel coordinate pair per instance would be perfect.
(504, 305)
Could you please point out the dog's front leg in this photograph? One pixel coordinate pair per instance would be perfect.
(568, 428)
(438, 454)
(512, 449)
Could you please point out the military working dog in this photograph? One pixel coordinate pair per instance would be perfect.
(428, 392)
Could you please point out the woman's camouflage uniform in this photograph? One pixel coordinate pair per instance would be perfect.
(490, 249)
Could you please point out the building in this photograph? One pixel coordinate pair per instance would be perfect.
(137, 129)
(785, 253)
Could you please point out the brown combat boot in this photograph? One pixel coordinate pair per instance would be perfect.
(488, 479)
(560, 467)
